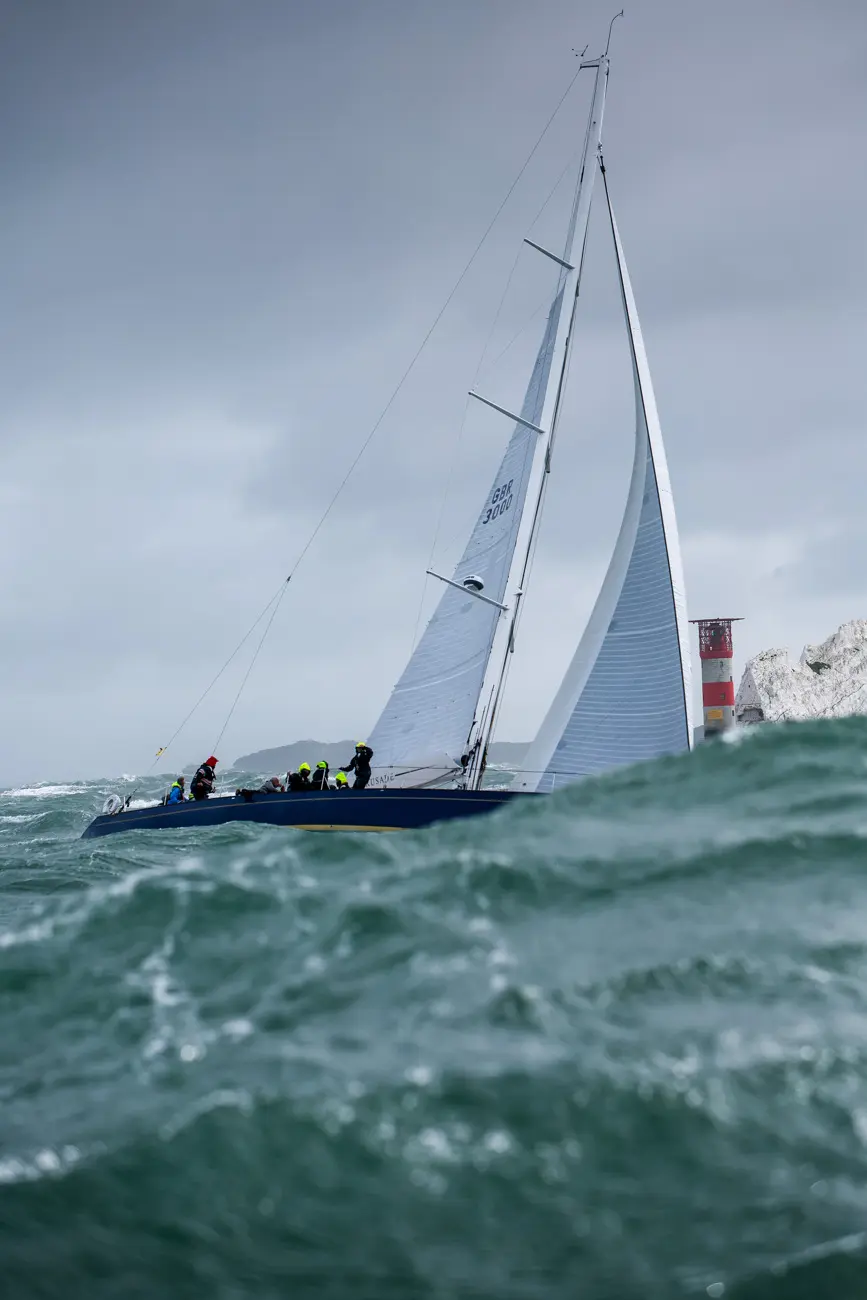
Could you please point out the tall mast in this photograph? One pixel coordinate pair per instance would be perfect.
(492, 687)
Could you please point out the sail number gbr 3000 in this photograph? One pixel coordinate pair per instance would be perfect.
(501, 501)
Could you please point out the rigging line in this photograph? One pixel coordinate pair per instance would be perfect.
(436, 321)
(278, 596)
(277, 604)
(546, 302)
(526, 325)
(420, 608)
(457, 443)
(439, 522)
(497, 315)
(571, 163)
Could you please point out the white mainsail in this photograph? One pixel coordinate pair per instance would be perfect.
(626, 694)
(424, 728)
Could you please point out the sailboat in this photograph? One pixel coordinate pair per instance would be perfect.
(432, 739)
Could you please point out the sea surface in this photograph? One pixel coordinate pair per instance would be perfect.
(604, 1045)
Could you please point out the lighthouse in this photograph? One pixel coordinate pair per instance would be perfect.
(717, 682)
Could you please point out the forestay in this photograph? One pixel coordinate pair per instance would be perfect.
(626, 694)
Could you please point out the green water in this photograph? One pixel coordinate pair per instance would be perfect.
(606, 1045)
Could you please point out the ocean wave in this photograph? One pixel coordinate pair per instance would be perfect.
(44, 790)
(611, 1043)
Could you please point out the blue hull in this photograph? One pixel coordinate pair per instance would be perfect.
(315, 810)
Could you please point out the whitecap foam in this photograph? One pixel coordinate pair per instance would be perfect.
(43, 1164)
(156, 803)
(43, 791)
(33, 933)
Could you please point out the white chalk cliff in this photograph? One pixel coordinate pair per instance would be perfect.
(829, 680)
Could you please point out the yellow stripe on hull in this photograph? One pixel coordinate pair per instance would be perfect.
(299, 827)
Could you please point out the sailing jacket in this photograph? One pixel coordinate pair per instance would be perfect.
(319, 779)
(204, 779)
(361, 761)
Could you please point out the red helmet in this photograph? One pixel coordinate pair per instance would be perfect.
(212, 762)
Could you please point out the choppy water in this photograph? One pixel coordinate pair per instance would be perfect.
(610, 1045)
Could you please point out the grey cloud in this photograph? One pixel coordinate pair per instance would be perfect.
(226, 229)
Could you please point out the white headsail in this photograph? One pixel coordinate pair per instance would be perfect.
(626, 694)
(424, 728)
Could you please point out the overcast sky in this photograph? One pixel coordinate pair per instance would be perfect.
(226, 228)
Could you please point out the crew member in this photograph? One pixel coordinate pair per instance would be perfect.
(272, 786)
(176, 794)
(203, 781)
(319, 779)
(341, 781)
(360, 765)
(299, 780)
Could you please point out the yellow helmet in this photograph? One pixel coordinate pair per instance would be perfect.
(360, 744)
(303, 767)
(341, 778)
(322, 763)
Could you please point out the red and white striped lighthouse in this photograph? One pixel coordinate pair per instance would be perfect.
(717, 683)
